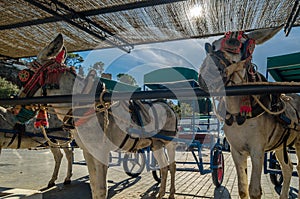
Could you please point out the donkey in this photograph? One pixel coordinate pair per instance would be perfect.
(104, 128)
(251, 127)
(24, 137)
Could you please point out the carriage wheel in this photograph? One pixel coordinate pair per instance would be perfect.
(157, 175)
(276, 178)
(218, 170)
(134, 163)
(155, 170)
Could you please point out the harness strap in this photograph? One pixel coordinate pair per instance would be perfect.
(127, 137)
(235, 67)
(134, 144)
(20, 129)
(285, 155)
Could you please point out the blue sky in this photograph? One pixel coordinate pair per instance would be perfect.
(186, 53)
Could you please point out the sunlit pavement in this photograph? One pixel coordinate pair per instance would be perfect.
(32, 169)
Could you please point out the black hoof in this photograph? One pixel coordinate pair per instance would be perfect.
(51, 185)
(66, 182)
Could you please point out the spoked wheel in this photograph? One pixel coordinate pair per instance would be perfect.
(276, 178)
(134, 163)
(218, 168)
(157, 175)
(155, 170)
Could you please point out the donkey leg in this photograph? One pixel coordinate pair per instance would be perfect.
(240, 161)
(69, 156)
(172, 165)
(57, 157)
(287, 170)
(160, 156)
(98, 174)
(257, 159)
(297, 146)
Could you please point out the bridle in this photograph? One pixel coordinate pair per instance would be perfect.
(44, 76)
(36, 77)
(232, 43)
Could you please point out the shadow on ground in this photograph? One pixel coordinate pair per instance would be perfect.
(293, 194)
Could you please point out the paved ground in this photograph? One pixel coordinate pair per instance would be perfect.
(31, 169)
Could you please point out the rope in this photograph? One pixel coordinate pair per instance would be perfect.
(215, 110)
(237, 67)
(105, 107)
(271, 83)
(53, 143)
(267, 110)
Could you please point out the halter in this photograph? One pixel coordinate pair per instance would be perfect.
(237, 43)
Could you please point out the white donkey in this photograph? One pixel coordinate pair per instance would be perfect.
(251, 127)
(105, 128)
(23, 137)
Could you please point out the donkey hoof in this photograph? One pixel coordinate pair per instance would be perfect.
(51, 185)
(67, 182)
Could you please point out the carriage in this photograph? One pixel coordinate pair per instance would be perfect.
(282, 68)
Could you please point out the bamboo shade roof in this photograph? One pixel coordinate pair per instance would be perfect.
(26, 27)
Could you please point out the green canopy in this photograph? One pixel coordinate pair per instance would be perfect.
(112, 85)
(171, 77)
(285, 67)
(177, 77)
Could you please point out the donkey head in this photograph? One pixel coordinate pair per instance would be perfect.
(229, 58)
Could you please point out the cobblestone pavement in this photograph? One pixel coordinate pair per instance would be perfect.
(31, 169)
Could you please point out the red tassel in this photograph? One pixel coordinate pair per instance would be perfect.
(245, 107)
(41, 119)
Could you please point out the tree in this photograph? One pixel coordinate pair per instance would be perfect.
(176, 108)
(74, 59)
(99, 67)
(127, 79)
(7, 88)
(186, 109)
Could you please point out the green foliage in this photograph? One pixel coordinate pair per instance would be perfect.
(201, 106)
(127, 79)
(176, 108)
(7, 88)
(74, 59)
(183, 109)
(186, 109)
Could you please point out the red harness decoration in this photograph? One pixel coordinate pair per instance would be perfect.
(232, 44)
(85, 117)
(24, 75)
(50, 73)
(41, 119)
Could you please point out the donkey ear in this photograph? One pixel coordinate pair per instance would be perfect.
(262, 35)
(208, 48)
(52, 49)
(61, 56)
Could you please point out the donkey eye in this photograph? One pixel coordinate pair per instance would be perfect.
(214, 47)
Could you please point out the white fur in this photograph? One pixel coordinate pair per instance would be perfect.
(7, 122)
(96, 152)
(258, 134)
